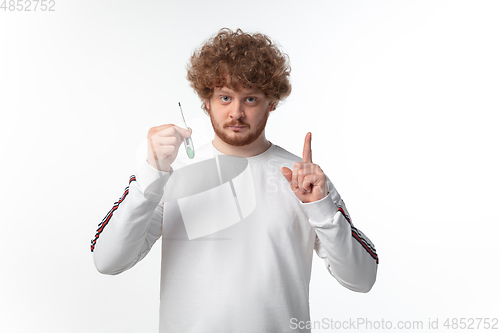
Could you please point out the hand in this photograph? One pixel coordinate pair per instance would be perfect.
(163, 145)
(307, 180)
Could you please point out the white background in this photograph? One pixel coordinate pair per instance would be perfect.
(401, 97)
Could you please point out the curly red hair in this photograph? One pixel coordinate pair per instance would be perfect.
(239, 60)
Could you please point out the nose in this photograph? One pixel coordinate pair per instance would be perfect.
(237, 110)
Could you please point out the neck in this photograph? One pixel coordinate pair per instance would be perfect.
(255, 148)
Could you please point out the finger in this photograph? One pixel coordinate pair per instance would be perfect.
(300, 180)
(305, 184)
(295, 175)
(169, 130)
(167, 137)
(308, 182)
(287, 173)
(301, 176)
(307, 152)
(187, 132)
(309, 172)
(166, 141)
(157, 129)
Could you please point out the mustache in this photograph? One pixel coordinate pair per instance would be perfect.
(236, 124)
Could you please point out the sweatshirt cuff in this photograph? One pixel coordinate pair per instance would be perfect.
(152, 181)
(321, 212)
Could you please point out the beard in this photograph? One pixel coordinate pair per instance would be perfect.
(241, 138)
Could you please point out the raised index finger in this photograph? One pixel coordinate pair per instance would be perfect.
(307, 152)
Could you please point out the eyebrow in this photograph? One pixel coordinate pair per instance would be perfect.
(225, 91)
(250, 92)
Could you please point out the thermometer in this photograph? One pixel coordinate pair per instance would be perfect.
(188, 142)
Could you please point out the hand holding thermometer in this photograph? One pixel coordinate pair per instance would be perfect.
(188, 142)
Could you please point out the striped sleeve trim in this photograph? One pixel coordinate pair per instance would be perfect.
(108, 216)
(357, 235)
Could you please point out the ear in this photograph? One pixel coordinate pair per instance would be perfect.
(207, 104)
(271, 106)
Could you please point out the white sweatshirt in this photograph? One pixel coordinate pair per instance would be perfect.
(249, 275)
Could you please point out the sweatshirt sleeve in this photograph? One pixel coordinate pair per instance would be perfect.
(348, 254)
(131, 227)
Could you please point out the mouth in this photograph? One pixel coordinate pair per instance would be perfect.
(237, 127)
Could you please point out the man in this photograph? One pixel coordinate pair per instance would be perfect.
(251, 275)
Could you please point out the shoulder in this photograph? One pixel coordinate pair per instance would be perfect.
(285, 154)
(283, 157)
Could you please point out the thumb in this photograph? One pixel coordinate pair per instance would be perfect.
(187, 133)
(287, 173)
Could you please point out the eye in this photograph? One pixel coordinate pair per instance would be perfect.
(225, 98)
(251, 99)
